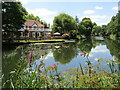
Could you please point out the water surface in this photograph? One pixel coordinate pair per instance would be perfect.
(68, 55)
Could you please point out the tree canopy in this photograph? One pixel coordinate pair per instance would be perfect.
(113, 27)
(85, 26)
(12, 16)
(31, 16)
(63, 23)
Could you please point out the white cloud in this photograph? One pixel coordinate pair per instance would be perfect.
(44, 14)
(73, 0)
(89, 12)
(24, 1)
(49, 55)
(41, 12)
(104, 23)
(99, 19)
(91, 55)
(98, 8)
(115, 8)
(98, 50)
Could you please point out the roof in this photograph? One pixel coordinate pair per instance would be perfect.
(31, 22)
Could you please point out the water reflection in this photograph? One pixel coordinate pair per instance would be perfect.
(65, 53)
(85, 45)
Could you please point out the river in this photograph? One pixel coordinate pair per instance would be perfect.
(67, 55)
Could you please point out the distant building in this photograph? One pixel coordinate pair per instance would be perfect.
(34, 29)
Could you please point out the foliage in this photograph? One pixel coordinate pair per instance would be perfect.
(113, 46)
(63, 23)
(85, 27)
(96, 30)
(113, 26)
(85, 45)
(77, 22)
(12, 16)
(32, 17)
(65, 53)
(49, 77)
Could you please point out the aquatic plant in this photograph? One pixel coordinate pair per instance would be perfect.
(49, 77)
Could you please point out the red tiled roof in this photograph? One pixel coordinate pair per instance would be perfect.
(31, 22)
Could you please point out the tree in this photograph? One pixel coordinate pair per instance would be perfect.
(96, 30)
(113, 27)
(31, 16)
(12, 16)
(63, 23)
(85, 27)
(65, 53)
(104, 30)
(77, 22)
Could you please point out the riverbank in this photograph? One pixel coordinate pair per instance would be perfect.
(33, 41)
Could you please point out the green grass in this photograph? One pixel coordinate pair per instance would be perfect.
(38, 40)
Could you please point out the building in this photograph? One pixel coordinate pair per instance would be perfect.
(34, 30)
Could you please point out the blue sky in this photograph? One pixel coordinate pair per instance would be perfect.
(99, 12)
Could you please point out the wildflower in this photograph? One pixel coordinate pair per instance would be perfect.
(41, 61)
(17, 80)
(81, 54)
(30, 55)
(92, 71)
(39, 66)
(55, 64)
(51, 68)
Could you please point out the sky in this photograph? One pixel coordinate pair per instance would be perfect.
(99, 12)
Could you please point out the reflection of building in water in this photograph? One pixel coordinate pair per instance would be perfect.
(38, 51)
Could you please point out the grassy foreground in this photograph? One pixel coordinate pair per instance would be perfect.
(50, 77)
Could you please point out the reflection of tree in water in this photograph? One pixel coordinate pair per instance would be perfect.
(114, 47)
(85, 45)
(38, 51)
(97, 43)
(65, 53)
(10, 58)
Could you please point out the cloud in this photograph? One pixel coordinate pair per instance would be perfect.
(104, 23)
(90, 55)
(115, 8)
(98, 50)
(89, 12)
(73, 0)
(99, 19)
(98, 8)
(41, 12)
(24, 1)
(44, 14)
(49, 55)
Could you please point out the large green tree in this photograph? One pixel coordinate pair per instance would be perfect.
(32, 17)
(113, 27)
(12, 16)
(63, 23)
(85, 27)
(97, 30)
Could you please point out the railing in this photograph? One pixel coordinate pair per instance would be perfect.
(36, 29)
